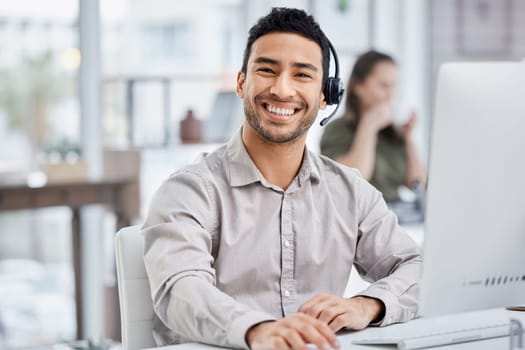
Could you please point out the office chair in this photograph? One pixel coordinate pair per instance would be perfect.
(136, 308)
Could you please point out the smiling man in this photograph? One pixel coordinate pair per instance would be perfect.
(253, 245)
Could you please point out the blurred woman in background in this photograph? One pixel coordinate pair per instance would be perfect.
(366, 138)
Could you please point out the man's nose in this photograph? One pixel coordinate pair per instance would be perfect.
(283, 87)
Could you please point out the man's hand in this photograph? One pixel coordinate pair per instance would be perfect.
(338, 313)
(292, 332)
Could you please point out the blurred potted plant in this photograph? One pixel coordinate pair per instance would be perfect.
(28, 90)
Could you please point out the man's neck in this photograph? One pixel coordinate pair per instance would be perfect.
(278, 163)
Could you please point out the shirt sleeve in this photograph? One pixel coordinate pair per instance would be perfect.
(387, 257)
(179, 236)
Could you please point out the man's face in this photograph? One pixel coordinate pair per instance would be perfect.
(282, 87)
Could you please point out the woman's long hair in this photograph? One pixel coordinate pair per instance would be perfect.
(363, 67)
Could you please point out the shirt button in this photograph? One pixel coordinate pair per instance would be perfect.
(286, 293)
(287, 244)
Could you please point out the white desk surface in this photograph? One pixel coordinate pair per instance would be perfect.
(346, 339)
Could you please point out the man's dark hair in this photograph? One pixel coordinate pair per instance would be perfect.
(289, 20)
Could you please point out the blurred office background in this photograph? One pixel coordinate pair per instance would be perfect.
(93, 90)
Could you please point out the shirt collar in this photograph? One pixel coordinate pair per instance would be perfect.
(244, 172)
(242, 169)
(308, 169)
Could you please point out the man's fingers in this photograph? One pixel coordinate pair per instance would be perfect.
(316, 305)
(328, 314)
(306, 307)
(293, 332)
(315, 310)
(347, 320)
(326, 310)
(279, 343)
(315, 332)
(294, 339)
(338, 313)
(340, 322)
(329, 334)
(313, 335)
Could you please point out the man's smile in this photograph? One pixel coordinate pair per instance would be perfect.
(282, 111)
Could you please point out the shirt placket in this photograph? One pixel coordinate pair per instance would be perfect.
(288, 289)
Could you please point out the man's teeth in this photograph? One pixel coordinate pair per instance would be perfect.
(280, 111)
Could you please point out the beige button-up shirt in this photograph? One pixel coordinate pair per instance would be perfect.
(225, 249)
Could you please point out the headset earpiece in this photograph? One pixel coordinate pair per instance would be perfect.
(333, 88)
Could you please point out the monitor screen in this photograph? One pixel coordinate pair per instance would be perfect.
(474, 250)
(225, 117)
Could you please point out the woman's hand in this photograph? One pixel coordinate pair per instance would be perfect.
(406, 129)
(376, 118)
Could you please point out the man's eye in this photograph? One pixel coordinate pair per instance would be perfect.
(303, 75)
(265, 70)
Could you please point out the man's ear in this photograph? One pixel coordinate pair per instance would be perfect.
(323, 104)
(240, 84)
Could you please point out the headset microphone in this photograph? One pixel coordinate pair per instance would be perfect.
(327, 119)
(333, 88)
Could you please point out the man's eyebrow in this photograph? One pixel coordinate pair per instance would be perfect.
(272, 61)
(306, 65)
(266, 60)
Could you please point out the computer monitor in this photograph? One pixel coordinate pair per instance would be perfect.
(225, 117)
(474, 249)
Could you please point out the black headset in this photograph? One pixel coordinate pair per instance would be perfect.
(333, 88)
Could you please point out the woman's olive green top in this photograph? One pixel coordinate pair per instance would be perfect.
(390, 161)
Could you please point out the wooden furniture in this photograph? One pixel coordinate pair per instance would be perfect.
(119, 193)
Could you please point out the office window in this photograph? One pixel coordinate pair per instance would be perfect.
(39, 122)
(166, 42)
(3, 41)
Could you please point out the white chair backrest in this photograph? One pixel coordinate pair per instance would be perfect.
(136, 308)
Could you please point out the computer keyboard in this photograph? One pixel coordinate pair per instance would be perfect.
(427, 333)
